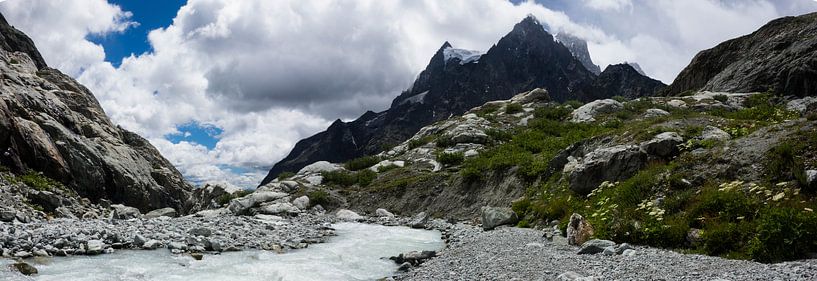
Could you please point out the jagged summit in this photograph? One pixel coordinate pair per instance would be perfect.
(578, 48)
(527, 57)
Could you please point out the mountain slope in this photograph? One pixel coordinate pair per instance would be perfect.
(781, 57)
(52, 124)
(626, 81)
(453, 82)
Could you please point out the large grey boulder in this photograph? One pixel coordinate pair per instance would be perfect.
(164, 212)
(664, 145)
(383, 213)
(122, 212)
(589, 111)
(7, 214)
(25, 268)
(535, 95)
(419, 220)
(301, 202)
(595, 246)
(579, 230)
(606, 164)
(655, 112)
(241, 206)
(279, 209)
(811, 179)
(319, 167)
(348, 215)
(493, 217)
(94, 247)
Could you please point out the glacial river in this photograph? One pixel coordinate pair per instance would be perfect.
(357, 253)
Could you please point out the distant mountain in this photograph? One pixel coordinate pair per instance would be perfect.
(49, 123)
(781, 57)
(455, 81)
(626, 81)
(578, 48)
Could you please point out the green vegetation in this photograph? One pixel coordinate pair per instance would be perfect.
(415, 143)
(361, 163)
(619, 99)
(721, 98)
(760, 108)
(346, 179)
(498, 135)
(227, 197)
(40, 182)
(450, 159)
(285, 175)
(487, 109)
(318, 197)
(513, 108)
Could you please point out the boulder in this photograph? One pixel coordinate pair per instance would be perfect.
(319, 167)
(301, 202)
(139, 240)
(94, 247)
(7, 214)
(177, 246)
(811, 179)
(623, 247)
(164, 212)
(606, 164)
(589, 111)
(348, 215)
(197, 256)
(802, 105)
(383, 213)
(64, 212)
(573, 276)
(200, 231)
(279, 208)
(25, 268)
(419, 220)
(579, 230)
(655, 112)
(241, 206)
(47, 199)
(122, 212)
(664, 145)
(415, 258)
(715, 134)
(677, 103)
(535, 95)
(493, 217)
(595, 246)
(151, 245)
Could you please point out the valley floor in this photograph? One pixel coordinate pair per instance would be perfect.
(523, 254)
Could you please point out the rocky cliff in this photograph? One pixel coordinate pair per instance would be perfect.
(626, 81)
(52, 124)
(457, 80)
(780, 57)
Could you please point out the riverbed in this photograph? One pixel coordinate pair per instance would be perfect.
(359, 252)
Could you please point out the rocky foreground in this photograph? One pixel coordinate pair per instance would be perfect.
(524, 254)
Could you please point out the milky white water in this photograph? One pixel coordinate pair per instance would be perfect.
(355, 254)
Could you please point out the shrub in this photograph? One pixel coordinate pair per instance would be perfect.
(619, 99)
(725, 238)
(361, 163)
(365, 177)
(513, 108)
(415, 143)
(342, 178)
(811, 116)
(488, 109)
(557, 113)
(386, 168)
(783, 163)
(285, 175)
(449, 159)
(498, 135)
(445, 141)
(721, 98)
(318, 197)
(226, 197)
(574, 103)
(783, 234)
(39, 181)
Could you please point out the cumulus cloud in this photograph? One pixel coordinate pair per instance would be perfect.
(268, 73)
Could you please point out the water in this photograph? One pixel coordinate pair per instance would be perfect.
(355, 254)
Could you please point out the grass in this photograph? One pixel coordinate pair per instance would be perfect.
(40, 182)
(285, 175)
(318, 197)
(513, 108)
(361, 163)
(346, 179)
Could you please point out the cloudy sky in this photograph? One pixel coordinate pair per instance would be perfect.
(225, 88)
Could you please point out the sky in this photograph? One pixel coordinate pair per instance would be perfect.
(225, 88)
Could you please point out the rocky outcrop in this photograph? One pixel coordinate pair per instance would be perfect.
(493, 217)
(588, 112)
(779, 57)
(52, 124)
(625, 81)
(606, 164)
(526, 58)
(578, 48)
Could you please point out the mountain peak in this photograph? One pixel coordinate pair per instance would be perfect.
(527, 25)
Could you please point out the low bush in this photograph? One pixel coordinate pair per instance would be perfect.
(450, 159)
(345, 179)
(721, 98)
(361, 163)
(39, 181)
(415, 143)
(318, 197)
(557, 113)
(783, 234)
(285, 175)
(513, 108)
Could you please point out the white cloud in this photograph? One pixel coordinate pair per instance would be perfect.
(269, 73)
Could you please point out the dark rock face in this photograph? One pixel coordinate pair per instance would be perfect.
(624, 80)
(526, 58)
(578, 48)
(780, 57)
(52, 124)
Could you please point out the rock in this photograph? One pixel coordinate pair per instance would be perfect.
(7, 214)
(94, 247)
(301, 202)
(589, 111)
(383, 213)
(151, 245)
(279, 208)
(622, 248)
(197, 256)
(200, 231)
(595, 246)
(47, 199)
(90, 215)
(419, 220)
(25, 268)
(122, 212)
(609, 251)
(535, 95)
(802, 105)
(626, 81)
(628, 253)
(406, 266)
(677, 103)
(164, 212)
(348, 215)
(493, 217)
(811, 179)
(573, 276)
(177, 246)
(664, 145)
(715, 134)
(241, 206)
(319, 167)
(415, 258)
(470, 153)
(22, 254)
(40, 253)
(63, 212)
(139, 240)
(694, 237)
(655, 112)
(606, 164)
(579, 230)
